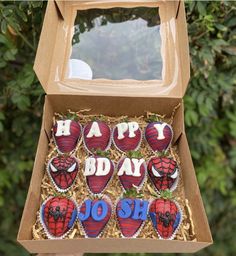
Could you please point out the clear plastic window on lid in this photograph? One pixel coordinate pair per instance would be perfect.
(116, 44)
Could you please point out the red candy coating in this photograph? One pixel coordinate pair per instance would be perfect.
(97, 184)
(67, 143)
(129, 227)
(97, 143)
(127, 144)
(129, 181)
(58, 215)
(166, 217)
(63, 171)
(93, 228)
(151, 136)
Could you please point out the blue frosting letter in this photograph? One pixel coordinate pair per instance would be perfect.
(85, 216)
(126, 209)
(140, 209)
(99, 215)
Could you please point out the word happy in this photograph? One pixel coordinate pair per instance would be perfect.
(126, 136)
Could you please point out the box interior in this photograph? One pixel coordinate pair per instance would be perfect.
(114, 106)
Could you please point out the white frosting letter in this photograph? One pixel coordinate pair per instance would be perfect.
(137, 164)
(122, 128)
(126, 168)
(90, 166)
(160, 129)
(133, 127)
(103, 166)
(63, 128)
(94, 131)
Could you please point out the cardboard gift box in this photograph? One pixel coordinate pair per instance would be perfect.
(113, 97)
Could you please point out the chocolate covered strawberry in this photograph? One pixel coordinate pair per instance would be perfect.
(131, 213)
(66, 134)
(159, 136)
(98, 172)
(57, 216)
(97, 136)
(131, 170)
(166, 216)
(94, 215)
(163, 172)
(63, 171)
(127, 136)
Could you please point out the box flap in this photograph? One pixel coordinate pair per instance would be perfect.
(60, 5)
(53, 59)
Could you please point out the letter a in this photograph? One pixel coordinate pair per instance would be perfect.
(94, 131)
(126, 168)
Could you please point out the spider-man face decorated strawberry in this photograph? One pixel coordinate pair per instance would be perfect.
(131, 214)
(63, 171)
(94, 216)
(98, 172)
(166, 216)
(131, 171)
(66, 134)
(159, 136)
(58, 215)
(163, 172)
(97, 136)
(127, 136)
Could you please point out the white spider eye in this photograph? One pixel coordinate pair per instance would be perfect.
(155, 172)
(175, 174)
(53, 169)
(72, 168)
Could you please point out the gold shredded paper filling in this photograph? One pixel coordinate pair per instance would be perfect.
(79, 190)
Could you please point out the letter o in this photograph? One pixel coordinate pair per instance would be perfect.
(94, 212)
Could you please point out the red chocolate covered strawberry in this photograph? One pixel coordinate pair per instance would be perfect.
(131, 171)
(159, 136)
(166, 216)
(131, 213)
(66, 134)
(63, 171)
(57, 216)
(97, 136)
(94, 216)
(98, 172)
(127, 136)
(163, 172)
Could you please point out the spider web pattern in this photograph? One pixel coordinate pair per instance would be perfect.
(165, 167)
(160, 207)
(62, 178)
(58, 226)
